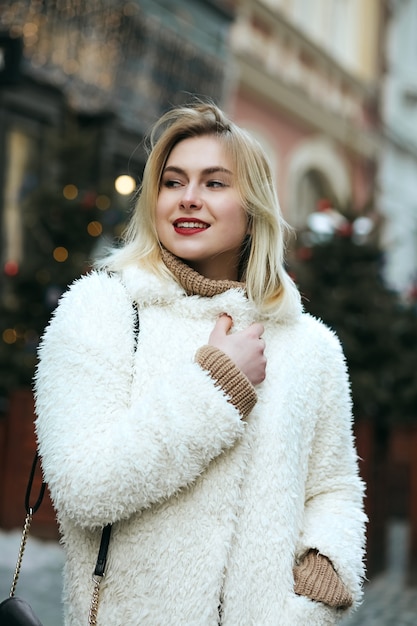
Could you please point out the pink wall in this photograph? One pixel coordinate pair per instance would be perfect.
(281, 133)
(284, 135)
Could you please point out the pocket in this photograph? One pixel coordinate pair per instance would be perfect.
(305, 612)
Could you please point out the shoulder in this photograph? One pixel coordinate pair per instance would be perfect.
(311, 336)
(92, 290)
(96, 300)
(317, 330)
(94, 284)
(323, 346)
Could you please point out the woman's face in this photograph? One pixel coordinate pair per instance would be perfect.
(199, 216)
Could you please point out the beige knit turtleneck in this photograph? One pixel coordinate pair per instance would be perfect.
(193, 282)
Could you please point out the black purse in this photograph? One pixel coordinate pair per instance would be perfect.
(15, 611)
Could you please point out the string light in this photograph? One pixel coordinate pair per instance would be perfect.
(94, 229)
(60, 254)
(9, 336)
(70, 192)
(125, 184)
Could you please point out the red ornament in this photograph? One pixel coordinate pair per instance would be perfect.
(323, 204)
(11, 268)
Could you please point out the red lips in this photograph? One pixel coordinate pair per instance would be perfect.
(189, 226)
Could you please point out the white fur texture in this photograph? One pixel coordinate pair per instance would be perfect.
(204, 506)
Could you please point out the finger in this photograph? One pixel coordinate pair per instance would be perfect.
(256, 329)
(223, 324)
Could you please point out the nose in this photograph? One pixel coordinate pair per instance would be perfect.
(190, 199)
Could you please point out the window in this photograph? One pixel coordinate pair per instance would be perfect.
(22, 173)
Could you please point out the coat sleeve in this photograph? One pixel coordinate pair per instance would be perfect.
(105, 458)
(334, 520)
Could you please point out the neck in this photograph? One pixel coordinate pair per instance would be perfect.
(217, 273)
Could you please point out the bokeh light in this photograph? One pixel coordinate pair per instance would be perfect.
(9, 336)
(70, 192)
(94, 229)
(60, 254)
(125, 184)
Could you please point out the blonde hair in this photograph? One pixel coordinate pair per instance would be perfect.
(267, 282)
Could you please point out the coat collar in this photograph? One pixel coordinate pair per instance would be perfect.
(149, 289)
(209, 297)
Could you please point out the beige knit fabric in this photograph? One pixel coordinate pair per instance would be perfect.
(229, 377)
(221, 368)
(316, 578)
(193, 282)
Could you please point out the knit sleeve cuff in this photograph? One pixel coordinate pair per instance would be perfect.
(229, 377)
(316, 578)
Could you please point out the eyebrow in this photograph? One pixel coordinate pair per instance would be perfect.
(207, 171)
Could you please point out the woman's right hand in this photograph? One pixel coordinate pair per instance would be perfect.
(245, 347)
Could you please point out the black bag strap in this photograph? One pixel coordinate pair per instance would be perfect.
(100, 567)
(31, 510)
(102, 551)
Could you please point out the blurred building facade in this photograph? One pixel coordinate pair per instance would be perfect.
(305, 77)
(115, 65)
(306, 85)
(80, 86)
(397, 173)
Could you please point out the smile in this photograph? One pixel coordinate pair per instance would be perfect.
(193, 225)
(189, 227)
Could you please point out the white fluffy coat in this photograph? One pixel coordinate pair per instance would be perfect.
(206, 508)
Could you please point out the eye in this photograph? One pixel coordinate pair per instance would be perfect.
(170, 183)
(216, 184)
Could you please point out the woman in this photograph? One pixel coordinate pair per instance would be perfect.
(217, 440)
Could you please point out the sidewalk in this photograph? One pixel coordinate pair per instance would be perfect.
(40, 577)
(387, 602)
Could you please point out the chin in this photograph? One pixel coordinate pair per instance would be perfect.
(187, 252)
